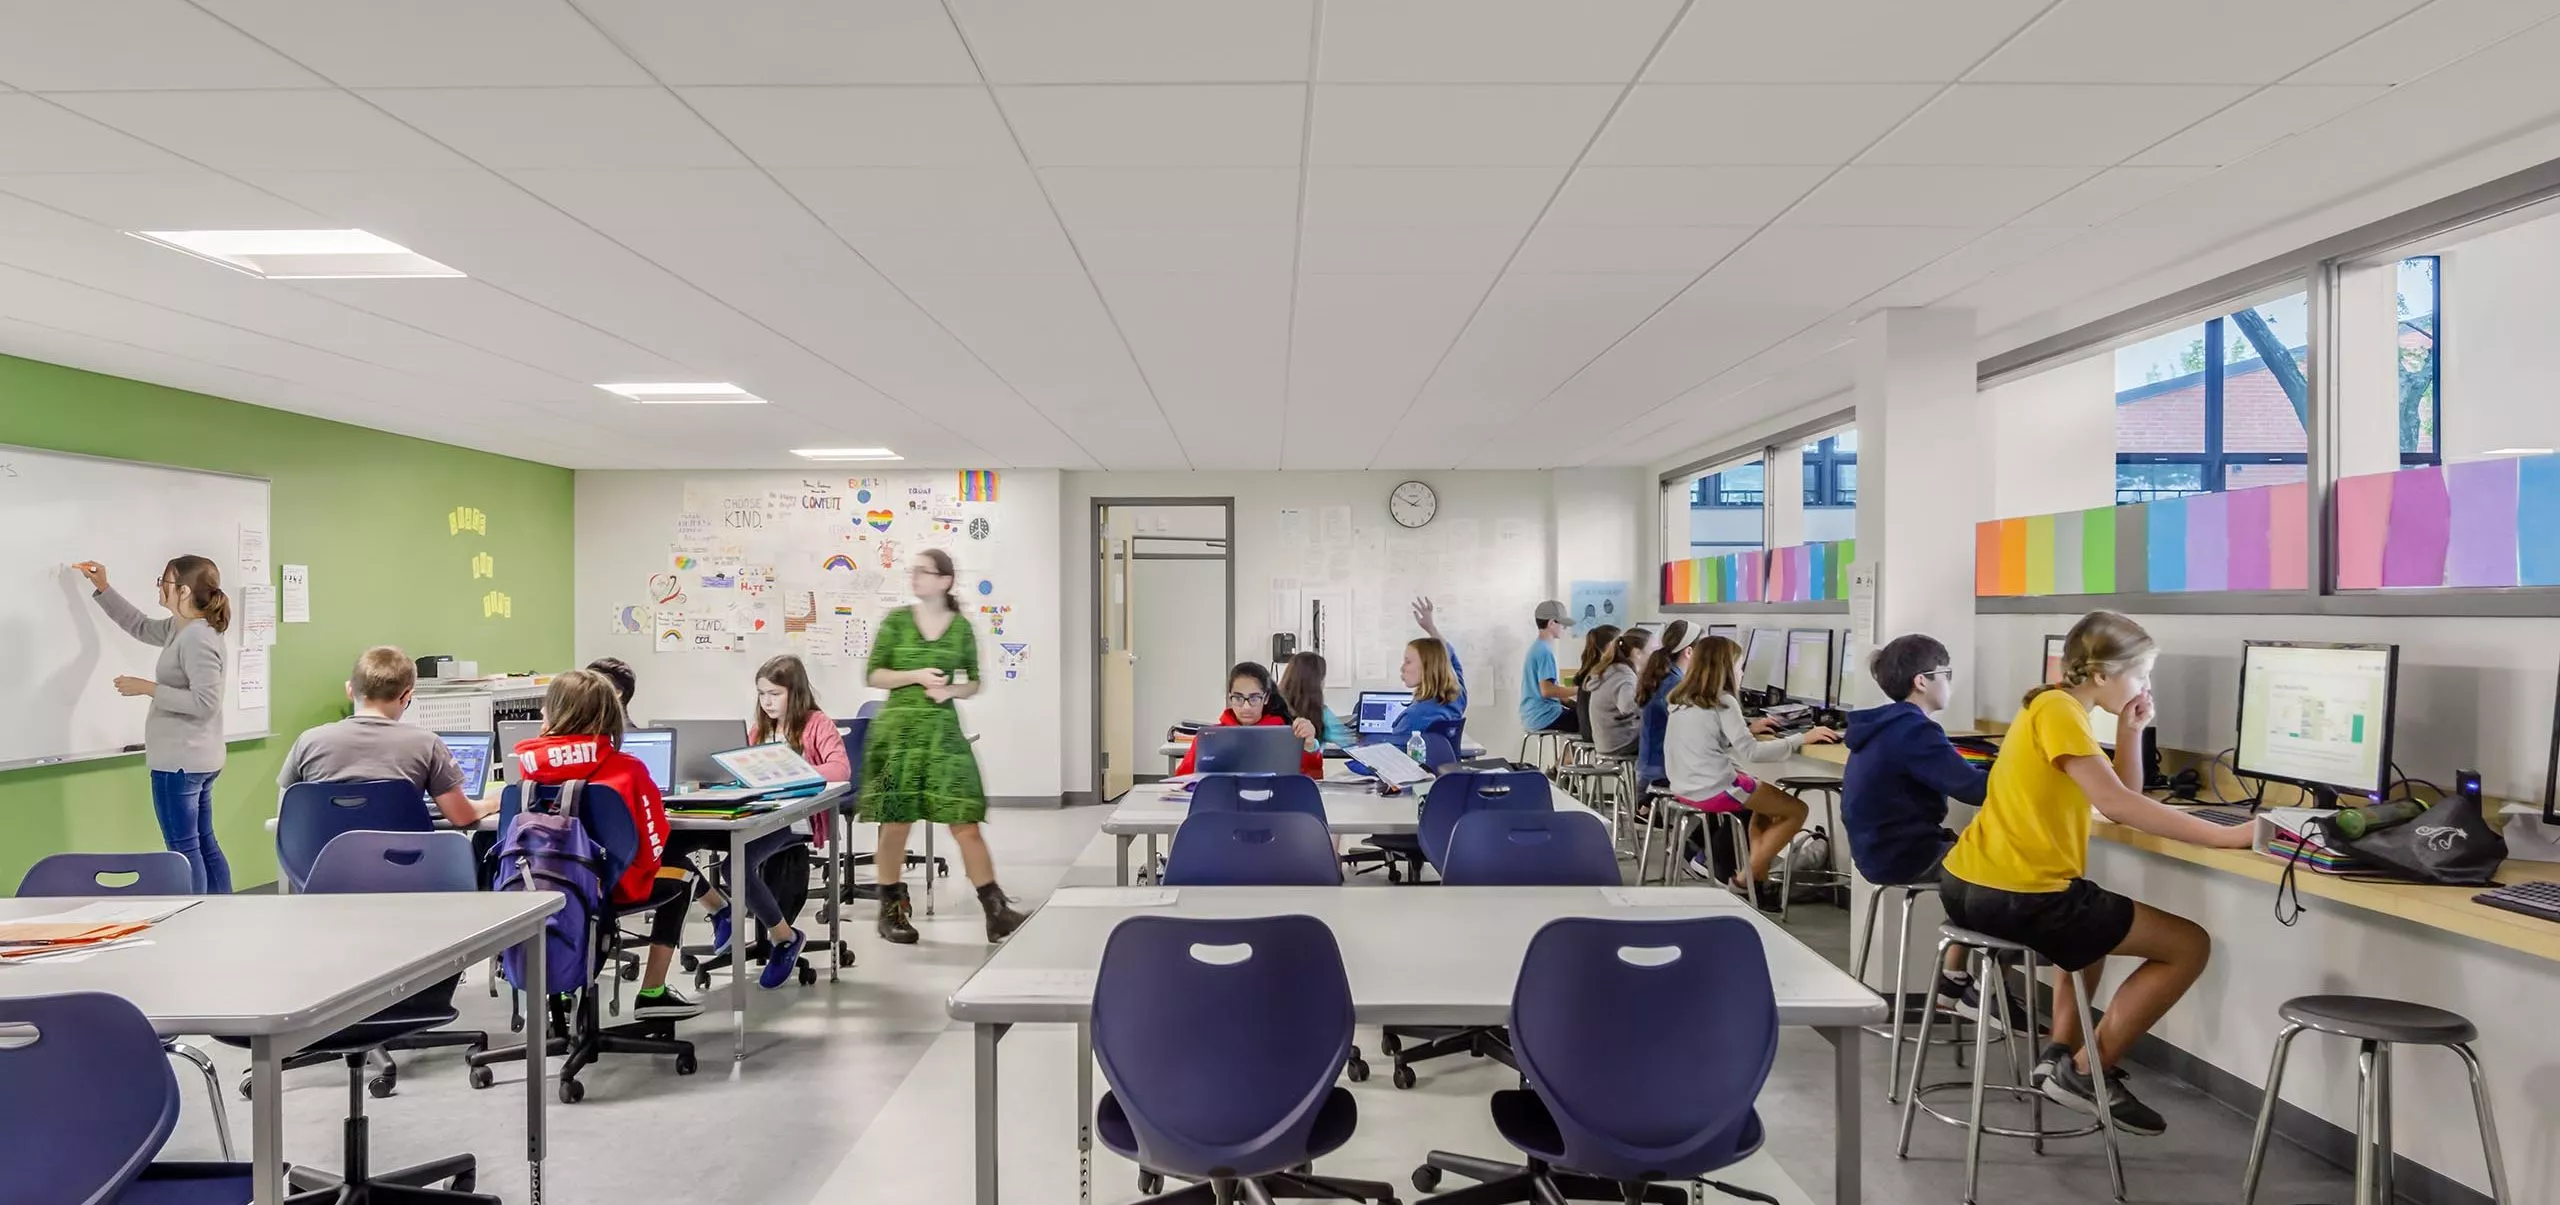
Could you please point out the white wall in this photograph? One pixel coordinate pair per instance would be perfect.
(2053, 439)
(2500, 320)
(626, 523)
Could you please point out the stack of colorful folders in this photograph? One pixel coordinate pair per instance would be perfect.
(2284, 845)
(90, 928)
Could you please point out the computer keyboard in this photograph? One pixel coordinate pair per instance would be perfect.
(2539, 900)
(2225, 817)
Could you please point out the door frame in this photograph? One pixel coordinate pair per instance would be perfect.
(1094, 550)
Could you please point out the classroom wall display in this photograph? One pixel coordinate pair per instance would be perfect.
(1798, 573)
(1595, 603)
(2241, 540)
(2478, 524)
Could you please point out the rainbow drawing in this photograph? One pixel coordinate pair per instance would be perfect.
(838, 561)
(978, 485)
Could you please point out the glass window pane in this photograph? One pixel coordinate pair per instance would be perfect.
(2421, 367)
(2151, 482)
(1722, 512)
(2251, 476)
(2264, 352)
(2160, 393)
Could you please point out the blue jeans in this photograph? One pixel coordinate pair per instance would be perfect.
(184, 801)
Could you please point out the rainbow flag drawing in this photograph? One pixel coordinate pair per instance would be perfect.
(978, 485)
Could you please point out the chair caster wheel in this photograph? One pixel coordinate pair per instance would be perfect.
(383, 1085)
(1426, 1179)
(702, 981)
(1390, 1045)
(689, 963)
(1150, 1183)
(515, 1025)
(482, 1077)
(808, 974)
(1394, 875)
(1356, 1071)
(685, 1065)
(244, 1087)
(465, 1182)
(630, 970)
(844, 954)
(1404, 1076)
(571, 1092)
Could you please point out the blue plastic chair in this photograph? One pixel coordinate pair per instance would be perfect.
(1625, 1087)
(1531, 849)
(1220, 1040)
(394, 862)
(89, 1100)
(1456, 795)
(1252, 849)
(1258, 793)
(312, 814)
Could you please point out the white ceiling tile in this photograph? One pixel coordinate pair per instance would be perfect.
(1008, 252)
(2111, 194)
(407, 205)
(481, 315)
(1457, 125)
(36, 135)
(2096, 125)
(1827, 265)
(2183, 41)
(435, 43)
(643, 198)
(1471, 250)
(2424, 41)
(860, 127)
(1534, 331)
(1215, 347)
(1995, 252)
(788, 41)
(1223, 251)
(2257, 122)
(188, 200)
(302, 130)
(1138, 41)
(139, 44)
(1837, 41)
(1365, 344)
(1489, 41)
(562, 127)
(1428, 196)
(942, 198)
(1977, 197)
(1680, 196)
(1682, 124)
(1164, 125)
(1173, 196)
(1631, 249)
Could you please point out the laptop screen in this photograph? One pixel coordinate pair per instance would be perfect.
(471, 752)
(1378, 711)
(656, 749)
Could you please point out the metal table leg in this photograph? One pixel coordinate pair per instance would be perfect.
(1848, 1147)
(742, 932)
(266, 1121)
(1084, 1113)
(987, 1037)
(928, 868)
(536, 1044)
(1120, 864)
(838, 835)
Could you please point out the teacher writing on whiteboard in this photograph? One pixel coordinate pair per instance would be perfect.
(182, 735)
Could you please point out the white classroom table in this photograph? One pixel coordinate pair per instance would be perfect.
(286, 971)
(1416, 956)
(1174, 749)
(1350, 809)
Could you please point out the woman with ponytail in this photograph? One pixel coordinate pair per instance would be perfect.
(916, 762)
(182, 734)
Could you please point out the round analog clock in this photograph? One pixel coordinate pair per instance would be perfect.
(1412, 504)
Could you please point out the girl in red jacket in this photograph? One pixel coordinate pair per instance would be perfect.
(1253, 702)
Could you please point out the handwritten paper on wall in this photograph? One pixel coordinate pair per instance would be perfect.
(297, 594)
(249, 675)
(253, 554)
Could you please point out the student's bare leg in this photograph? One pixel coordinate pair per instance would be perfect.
(889, 858)
(975, 861)
(1776, 816)
(2174, 951)
(653, 975)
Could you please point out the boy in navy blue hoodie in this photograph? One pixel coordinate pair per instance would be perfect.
(1902, 770)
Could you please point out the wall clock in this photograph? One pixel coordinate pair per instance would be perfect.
(1412, 504)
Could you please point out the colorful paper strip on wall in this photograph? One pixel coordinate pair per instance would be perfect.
(2481, 524)
(2242, 540)
(1802, 573)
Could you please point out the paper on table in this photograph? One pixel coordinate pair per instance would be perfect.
(1112, 897)
(1025, 983)
(71, 954)
(122, 912)
(1391, 764)
(1664, 897)
(297, 594)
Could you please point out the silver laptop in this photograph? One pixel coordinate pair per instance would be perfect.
(696, 742)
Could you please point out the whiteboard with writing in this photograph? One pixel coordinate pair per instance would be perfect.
(60, 652)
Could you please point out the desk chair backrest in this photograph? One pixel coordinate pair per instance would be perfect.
(869, 708)
(394, 862)
(312, 814)
(1258, 793)
(1253, 849)
(601, 810)
(86, 1098)
(1221, 1038)
(1454, 795)
(1531, 849)
(159, 872)
(1605, 1021)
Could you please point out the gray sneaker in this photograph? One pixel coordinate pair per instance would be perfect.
(2053, 1052)
(2069, 1086)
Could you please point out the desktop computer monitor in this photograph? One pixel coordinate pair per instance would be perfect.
(1730, 631)
(1764, 659)
(472, 752)
(1262, 749)
(656, 749)
(2102, 722)
(2317, 716)
(1808, 677)
(697, 740)
(1845, 672)
(512, 733)
(1374, 716)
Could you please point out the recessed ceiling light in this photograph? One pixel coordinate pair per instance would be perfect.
(2517, 452)
(846, 454)
(301, 254)
(685, 393)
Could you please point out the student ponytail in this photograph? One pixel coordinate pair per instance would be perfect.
(2103, 642)
(1715, 672)
(202, 581)
(1666, 653)
(1629, 645)
(1595, 649)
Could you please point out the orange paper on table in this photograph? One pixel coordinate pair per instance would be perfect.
(28, 937)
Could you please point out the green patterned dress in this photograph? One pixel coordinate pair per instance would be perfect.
(916, 763)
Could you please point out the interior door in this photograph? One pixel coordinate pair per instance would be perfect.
(1115, 627)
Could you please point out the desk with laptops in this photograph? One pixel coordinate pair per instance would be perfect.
(1373, 718)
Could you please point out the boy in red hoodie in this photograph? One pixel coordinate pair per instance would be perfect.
(582, 723)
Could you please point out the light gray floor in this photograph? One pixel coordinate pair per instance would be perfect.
(857, 1092)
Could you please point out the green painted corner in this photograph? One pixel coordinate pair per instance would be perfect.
(367, 511)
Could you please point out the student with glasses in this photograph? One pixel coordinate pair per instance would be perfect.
(1252, 702)
(1902, 771)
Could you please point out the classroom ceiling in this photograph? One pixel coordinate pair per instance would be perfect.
(1181, 233)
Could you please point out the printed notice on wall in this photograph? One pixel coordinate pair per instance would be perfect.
(253, 554)
(297, 594)
(249, 675)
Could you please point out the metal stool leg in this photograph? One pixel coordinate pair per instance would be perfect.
(2383, 1189)
(1981, 963)
(2488, 1126)
(1644, 847)
(2267, 1114)
(1919, 1066)
(1902, 994)
(2366, 1112)
(2098, 1084)
(2015, 1037)
(1866, 933)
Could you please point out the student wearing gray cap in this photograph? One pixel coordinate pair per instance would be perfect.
(1546, 703)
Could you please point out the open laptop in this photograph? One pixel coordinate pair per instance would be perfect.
(656, 749)
(771, 771)
(697, 744)
(472, 751)
(512, 733)
(1377, 711)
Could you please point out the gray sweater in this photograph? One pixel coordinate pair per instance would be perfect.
(184, 729)
(1617, 715)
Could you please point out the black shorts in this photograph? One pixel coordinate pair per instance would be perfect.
(1568, 720)
(2072, 928)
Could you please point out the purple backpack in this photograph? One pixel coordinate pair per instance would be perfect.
(551, 851)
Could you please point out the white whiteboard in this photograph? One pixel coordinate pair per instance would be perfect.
(58, 649)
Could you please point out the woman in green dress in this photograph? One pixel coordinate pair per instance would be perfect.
(916, 763)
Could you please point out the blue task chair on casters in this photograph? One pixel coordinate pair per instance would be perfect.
(158, 873)
(86, 1099)
(1531, 849)
(1454, 798)
(1220, 1040)
(1252, 849)
(1626, 1088)
(1504, 788)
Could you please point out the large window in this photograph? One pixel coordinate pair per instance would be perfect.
(2419, 338)
(2216, 406)
(1726, 511)
(1831, 487)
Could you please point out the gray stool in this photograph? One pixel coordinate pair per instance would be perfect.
(1901, 997)
(1986, 954)
(2377, 1025)
(1550, 741)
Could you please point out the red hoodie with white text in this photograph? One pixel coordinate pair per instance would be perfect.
(557, 759)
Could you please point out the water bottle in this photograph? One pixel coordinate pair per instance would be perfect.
(1415, 749)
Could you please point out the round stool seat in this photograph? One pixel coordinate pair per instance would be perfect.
(1967, 937)
(2374, 1019)
(1809, 783)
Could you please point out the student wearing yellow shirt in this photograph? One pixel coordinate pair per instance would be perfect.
(2016, 872)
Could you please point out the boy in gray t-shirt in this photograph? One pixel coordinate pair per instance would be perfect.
(373, 743)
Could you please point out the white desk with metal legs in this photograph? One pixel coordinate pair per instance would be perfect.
(1350, 809)
(819, 808)
(287, 971)
(1421, 956)
(1175, 750)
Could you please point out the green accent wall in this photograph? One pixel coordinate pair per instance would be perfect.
(369, 513)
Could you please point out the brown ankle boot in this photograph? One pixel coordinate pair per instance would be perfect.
(1002, 920)
(894, 911)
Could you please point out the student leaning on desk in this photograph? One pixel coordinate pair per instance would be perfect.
(373, 743)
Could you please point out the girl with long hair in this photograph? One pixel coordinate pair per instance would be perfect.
(1705, 743)
(1617, 712)
(1302, 697)
(1252, 701)
(182, 733)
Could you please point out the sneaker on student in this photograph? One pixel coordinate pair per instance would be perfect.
(1698, 867)
(783, 961)
(664, 1004)
(2069, 1086)
(1961, 996)
(2046, 1059)
(719, 933)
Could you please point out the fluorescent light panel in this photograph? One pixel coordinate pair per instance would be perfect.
(846, 454)
(301, 254)
(685, 393)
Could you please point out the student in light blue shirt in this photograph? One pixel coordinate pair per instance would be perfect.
(1546, 703)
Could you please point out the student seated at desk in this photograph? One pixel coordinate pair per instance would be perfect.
(373, 743)
(2016, 871)
(1253, 702)
(1586, 674)
(1902, 770)
(1663, 669)
(1431, 670)
(582, 723)
(625, 682)
(1302, 697)
(1617, 712)
(1705, 741)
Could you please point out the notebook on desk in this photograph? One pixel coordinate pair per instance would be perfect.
(762, 772)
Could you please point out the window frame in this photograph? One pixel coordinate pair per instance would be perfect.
(2214, 462)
